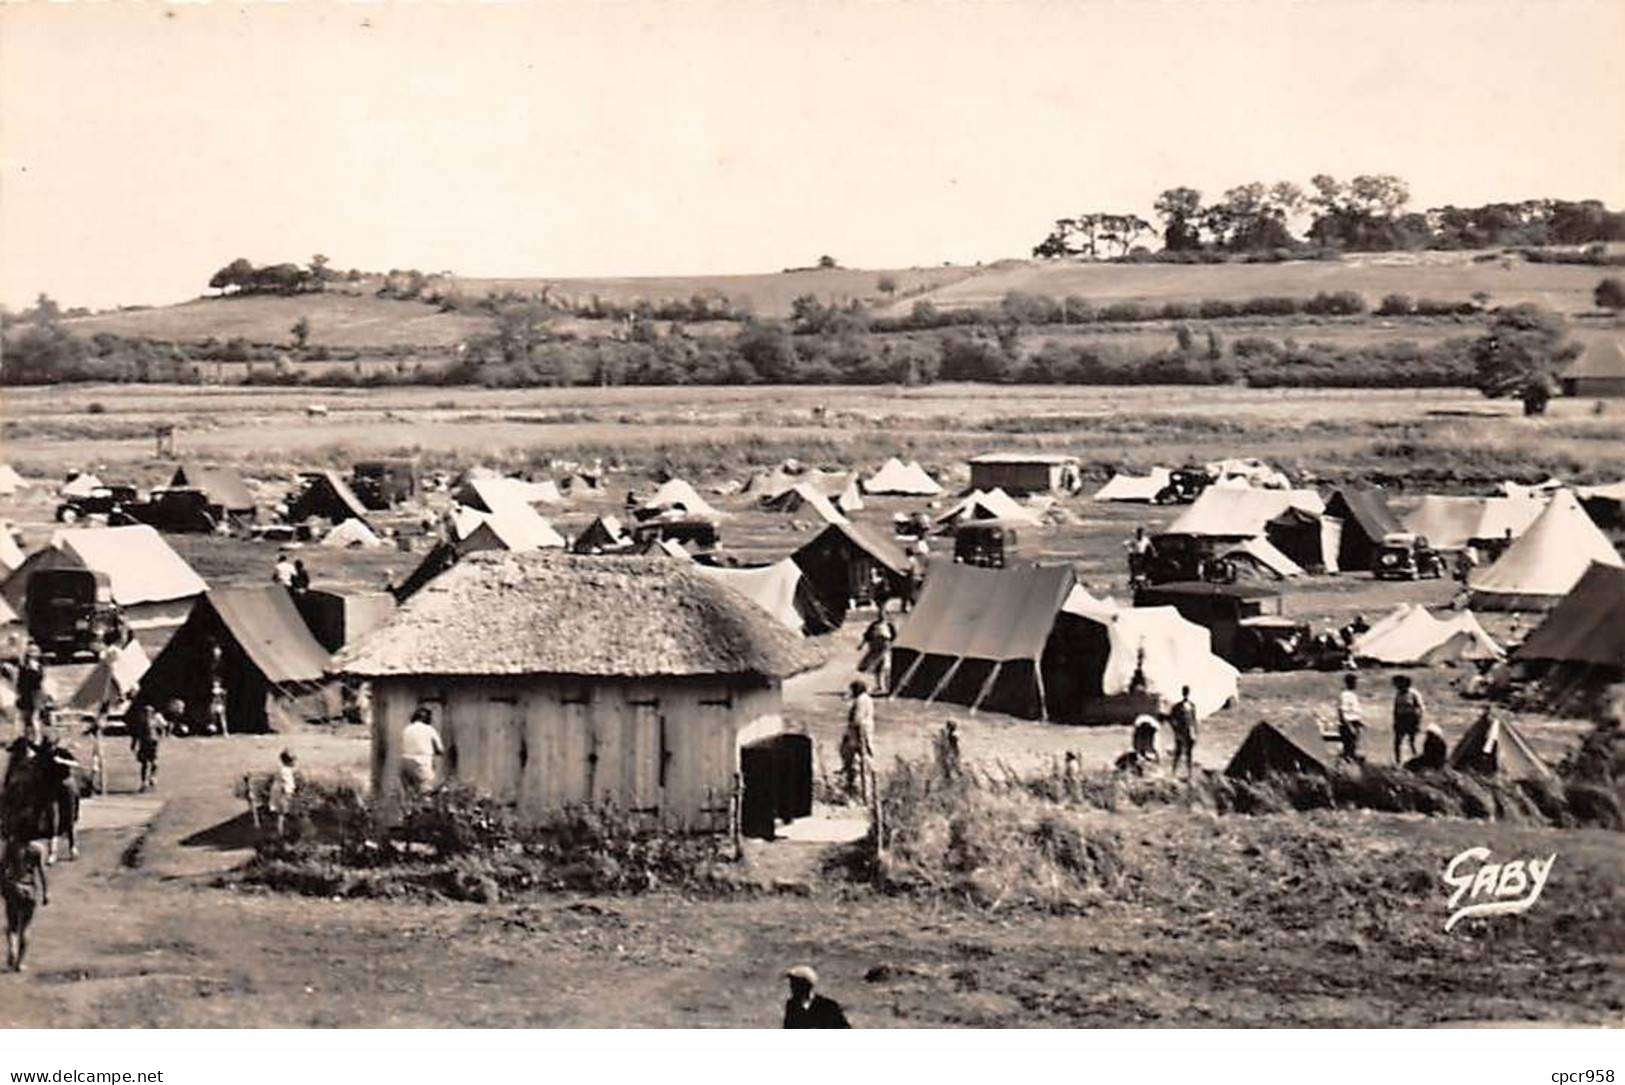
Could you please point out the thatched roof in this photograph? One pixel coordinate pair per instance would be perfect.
(501, 613)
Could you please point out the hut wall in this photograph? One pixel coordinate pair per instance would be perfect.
(666, 749)
(1015, 478)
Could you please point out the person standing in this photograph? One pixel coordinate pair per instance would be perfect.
(1408, 711)
(420, 745)
(283, 572)
(858, 741)
(877, 648)
(1183, 720)
(30, 683)
(283, 786)
(301, 577)
(144, 727)
(804, 1009)
(947, 751)
(22, 881)
(1350, 721)
(918, 556)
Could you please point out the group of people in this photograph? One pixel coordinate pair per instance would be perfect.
(1182, 720)
(290, 572)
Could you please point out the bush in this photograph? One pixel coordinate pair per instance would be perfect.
(1217, 308)
(1610, 294)
(1125, 312)
(1397, 305)
(96, 406)
(1340, 303)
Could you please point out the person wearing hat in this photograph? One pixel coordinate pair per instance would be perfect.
(804, 1009)
(858, 741)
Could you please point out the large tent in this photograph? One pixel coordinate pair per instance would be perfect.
(992, 504)
(1367, 519)
(329, 497)
(512, 527)
(1409, 636)
(779, 588)
(148, 580)
(1293, 746)
(1454, 523)
(271, 667)
(1546, 561)
(115, 676)
(1579, 650)
(1237, 512)
(902, 479)
(1168, 650)
(677, 494)
(842, 562)
(1124, 487)
(493, 493)
(802, 497)
(222, 486)
(349, 534)
(1495, 747)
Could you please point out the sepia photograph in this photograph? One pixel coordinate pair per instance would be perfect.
(915, 515)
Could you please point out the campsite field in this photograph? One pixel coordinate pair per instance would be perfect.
(1327, 919)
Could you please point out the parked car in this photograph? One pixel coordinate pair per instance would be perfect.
(1403, 556)
(1176, 558)
(1185, 485)
(698, 534)
(991, 544)
(1248, 628)
(383, 484)
(178, 509)
(109, 501)
(71, 614)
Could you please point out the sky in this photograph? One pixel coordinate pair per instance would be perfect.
(144, 145)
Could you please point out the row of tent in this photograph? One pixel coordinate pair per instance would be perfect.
(1489, 747)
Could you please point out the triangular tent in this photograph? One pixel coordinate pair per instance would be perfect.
(1412, 637)
(80, 486)
(515, 527)
(1123, 487)
(1588, 626)
(1222, 512)
(11, 555)
(1292, 747)
(272, 668)
(603, 535)
(805, 497)
(1546, 561)
(222, 486)
(114, 677)
(901, 479)
(1168, 650)
(1495, 747)
(776, 588)
(1452, 523)
(329, 497)
(146, 578)
(992, 504)
(1257, 558)
(1367, 520)
(10, 480)
(351, 533)
(678, 494)
(841, 564)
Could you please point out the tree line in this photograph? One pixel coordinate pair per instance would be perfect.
(1365, 214)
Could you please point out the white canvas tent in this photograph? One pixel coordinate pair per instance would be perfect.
(350, 533)
(805, 496)
(80, 486)
(1546, 561)
(10, 480)
(1225, 512)
(1170, 650)
(11, 555)
(902, 479)
(771, 587)
(1453, 523)
(1263, 556)
(1123, 487)
(1412, 637)
(992, 504)
(513, 528)
(113, 678)
(679, 494)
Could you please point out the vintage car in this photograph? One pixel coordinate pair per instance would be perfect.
(1182, 557)
(383, 484)
(1185, 485)
(71, 614)
(107, 501)
(691, 533)
(1245, 620)
(175, 508)
(1403, 556)
(992, 544)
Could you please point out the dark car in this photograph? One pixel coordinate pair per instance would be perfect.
(1185, 485)
(1245, 621)
(696, 534)
(383, 484)
(1406, 557)
(71, 613)
(109, 501)
(991, 544)
(1174, 558)
(177, 509)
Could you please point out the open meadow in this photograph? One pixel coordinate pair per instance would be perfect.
(1330, 918)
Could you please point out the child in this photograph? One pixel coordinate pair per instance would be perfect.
(22, 872)
(144, 731)
(283, 785)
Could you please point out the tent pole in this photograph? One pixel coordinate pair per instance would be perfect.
(943, 681)
(987, 687)
(902, 683)
(1043, 704)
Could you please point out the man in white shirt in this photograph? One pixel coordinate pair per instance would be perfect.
(420, 745)
(284, 572)
(1350, 722)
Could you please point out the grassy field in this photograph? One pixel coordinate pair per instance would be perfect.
(1325, 919)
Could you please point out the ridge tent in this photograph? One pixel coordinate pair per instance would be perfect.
(604, 534)
(1367, 519)
(350, 533)
(10, 480)
(1579, 650)
(1236, 512)
(115, 676)
(223, 488)
(900, 479)
(1412, 637)
(679, 494)
(842, 562)
(11, 555)
(82, 485)
(990, 505)
(329, 497)
(1126, 487)
(1256, 558)
(1169, 650)
(1295, 746)
(147, 579)
(1495, 747)
(513, 527)
(1545, 563)
(497, 494)
(1310, 540)
(779, 588)
(1604, 504)
(272, 668)
(805, 496)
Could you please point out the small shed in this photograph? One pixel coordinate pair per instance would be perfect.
(559, 679)
(1026, 472)
(1599, 372)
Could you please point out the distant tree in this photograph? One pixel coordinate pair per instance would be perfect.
(827, 261)
(767, 348)
(886, 285)
(46, 312)
(318, 270)
(1520, 354)
(1180, 210)
(520, 327)
(237, 275)
(1610, 294)
(301, 332)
